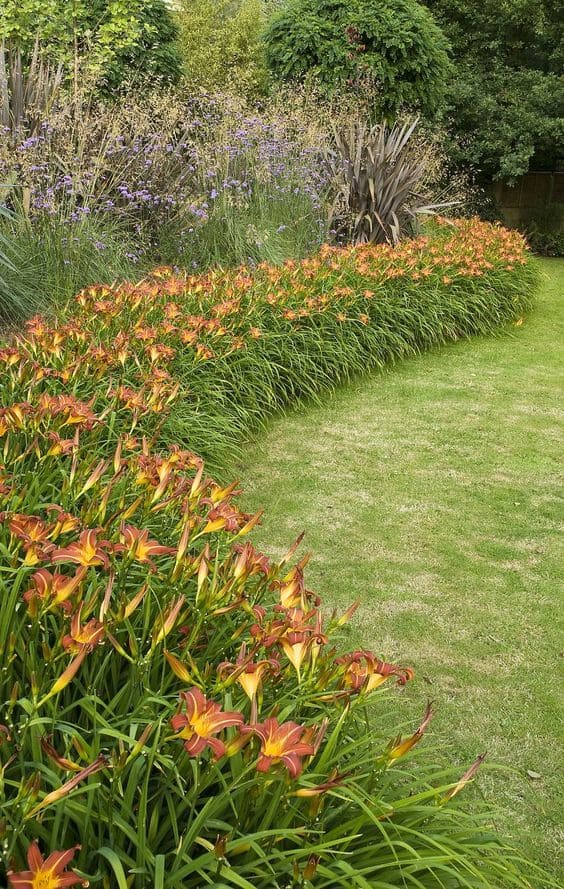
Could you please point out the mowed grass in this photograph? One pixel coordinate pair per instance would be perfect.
(432, 493)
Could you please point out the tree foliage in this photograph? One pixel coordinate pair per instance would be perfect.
(221, 43)
(115, 39)
(505, 101)
(394, 43)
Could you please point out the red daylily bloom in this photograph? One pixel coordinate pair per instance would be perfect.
(30, 529)
(281, 743)
(87, 551)
(83, 637)
(139, 546)
(249, 561)
(34, 535)
(248, 673)
(51, 589)
(203, 720)
(65, 521)
(364, 671)
(60, 446)
(293, 593)
(46, 873)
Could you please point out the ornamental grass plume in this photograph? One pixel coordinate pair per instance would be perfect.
(177, 707)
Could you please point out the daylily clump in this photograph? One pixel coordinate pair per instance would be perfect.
(173, 700)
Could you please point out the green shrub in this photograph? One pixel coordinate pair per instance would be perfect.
(175, 714)
(105, 42)
(396, 45)
(221, 45)
(505, 96)
(545, 230)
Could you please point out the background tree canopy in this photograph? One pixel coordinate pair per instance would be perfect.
(118, 39)
(396, 44)
(505, 100)
(221, 43)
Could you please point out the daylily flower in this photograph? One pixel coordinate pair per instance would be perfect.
(52, 589)
(467, 776)
(83, 637)
(87, 551)
(138, 545)
(249, 561)
(293, 593)
(34, 534)
(399, 748)
(280, 743)
(65, 521)
(60, 446)
(201, 722)
(46, 873)
(365, 672)
(30, 529)
(248, 673)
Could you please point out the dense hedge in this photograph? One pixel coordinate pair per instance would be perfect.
(173, 702)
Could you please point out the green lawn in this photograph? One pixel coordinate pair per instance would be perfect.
(431, 493)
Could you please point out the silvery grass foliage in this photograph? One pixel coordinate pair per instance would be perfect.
(378, 175)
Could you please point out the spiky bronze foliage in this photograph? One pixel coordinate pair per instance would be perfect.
(27, 92)
(378, 177)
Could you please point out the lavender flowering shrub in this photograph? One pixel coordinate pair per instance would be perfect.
(183, 177)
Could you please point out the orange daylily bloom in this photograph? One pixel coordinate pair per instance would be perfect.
(201, 722)
(65, 521)
(60, 447)
(280, 743)
(83, 637)
(248, 673)
(46, 873)
(293, 593)
(52, 589)
(29, 529)
(249, 561)
(34, 534)
(296, 646)
(137, 544)
(365, 672)
(87, 551)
